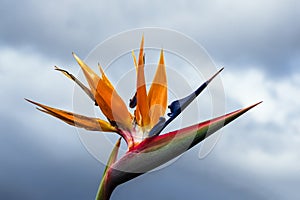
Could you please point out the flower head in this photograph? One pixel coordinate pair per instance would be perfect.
(147, 147)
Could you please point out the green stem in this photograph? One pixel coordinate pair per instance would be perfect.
(105, 188)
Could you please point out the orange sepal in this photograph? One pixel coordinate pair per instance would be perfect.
(89, 123)
(91, 77)
(158, 93)
(111, 104)
(142, 100)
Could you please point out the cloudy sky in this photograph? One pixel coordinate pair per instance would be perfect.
(257, 157)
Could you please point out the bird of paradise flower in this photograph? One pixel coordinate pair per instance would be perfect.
(147, 147)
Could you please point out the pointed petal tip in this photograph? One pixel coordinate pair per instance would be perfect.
(79, 60)
(44, 111)
(233, 115)
(119, 142)
(35, 103)
(30, 101)
(162, 59)
(59, 69)
(252, 106)
(75, 56)
(142, 40)
(239, 112)
(134, 60)
(101, 69)
(214, 76)
(141, 53)
(63, 71)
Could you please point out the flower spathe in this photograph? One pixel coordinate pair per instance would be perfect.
(147, 147)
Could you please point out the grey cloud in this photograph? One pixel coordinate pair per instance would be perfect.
(28, 171)
(57, 28)
(258, 33)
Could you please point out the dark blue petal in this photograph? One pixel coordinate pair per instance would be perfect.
(176, 107)
(132, 101)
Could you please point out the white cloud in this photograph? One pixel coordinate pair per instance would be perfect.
(232, 31)
(264, 143)
(25, 74)
(280, 96)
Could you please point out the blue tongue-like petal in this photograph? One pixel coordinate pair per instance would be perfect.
(158, 127)
(176, 107)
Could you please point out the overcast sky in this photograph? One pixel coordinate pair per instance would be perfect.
(258, 155)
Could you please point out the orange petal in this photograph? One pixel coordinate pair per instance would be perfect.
(137, 113)
(111, 104)
(158, 93)
(91, 77)
(106, 97)
(93, 124)
(142, 101)
(104, 77)
(134, 60)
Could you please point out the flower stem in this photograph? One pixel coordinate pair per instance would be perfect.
(105, 188)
